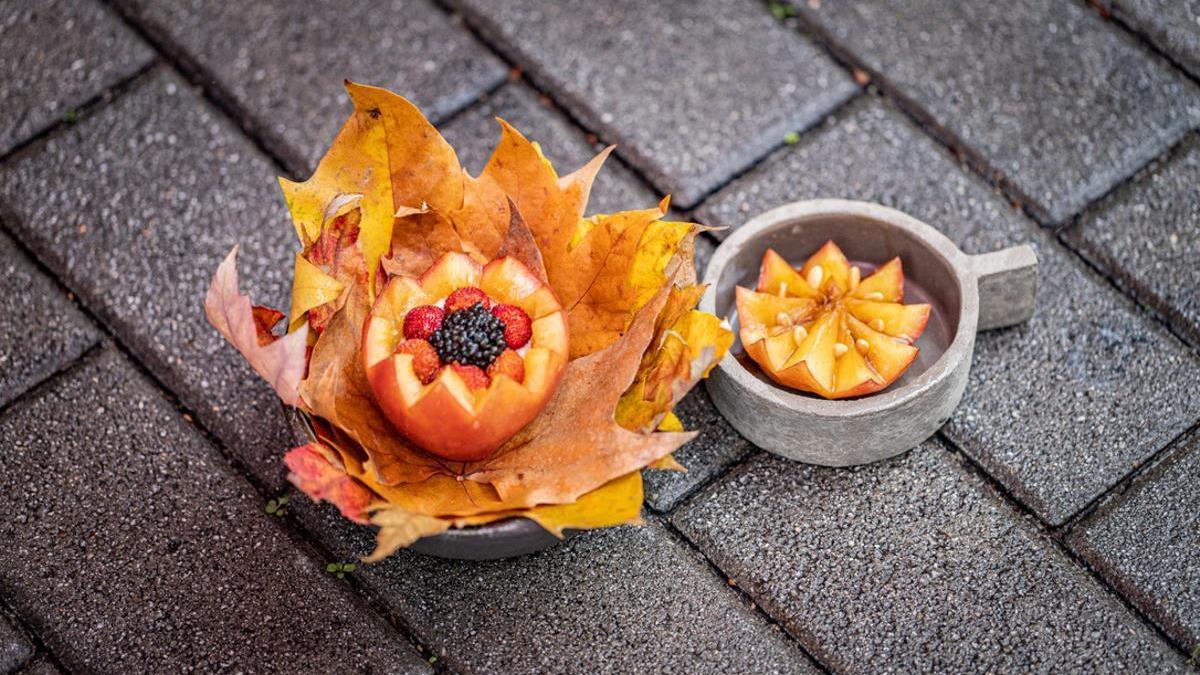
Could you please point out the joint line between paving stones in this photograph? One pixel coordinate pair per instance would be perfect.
(532, 78)
(287, 162)
(83, 110)
(1129, 290)
(1057, 535)
(964, 153)
(528, 78)
(40, 647)
(296, 532)
(696, 489)
(1123, 484)
(725, 579)
(49, 381)
(1141, 38)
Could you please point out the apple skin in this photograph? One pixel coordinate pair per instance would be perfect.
(446, 417)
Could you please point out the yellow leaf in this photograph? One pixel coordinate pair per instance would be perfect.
(687, 345)
(311, 287)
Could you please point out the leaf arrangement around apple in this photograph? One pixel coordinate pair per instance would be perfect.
(825, 329)
(467, 348)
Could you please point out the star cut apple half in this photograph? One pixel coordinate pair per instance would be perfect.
(825, 329)
(465, 406)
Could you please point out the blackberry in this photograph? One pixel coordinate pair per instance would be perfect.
(472, 337)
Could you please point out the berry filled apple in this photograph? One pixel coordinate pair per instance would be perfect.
(463, 357)
(825, 329)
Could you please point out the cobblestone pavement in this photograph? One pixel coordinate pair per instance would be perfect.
(1053, 525)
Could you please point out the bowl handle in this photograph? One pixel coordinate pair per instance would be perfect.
(1007, 285)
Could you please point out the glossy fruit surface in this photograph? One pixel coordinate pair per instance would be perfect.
(478, 398)
(825, 329)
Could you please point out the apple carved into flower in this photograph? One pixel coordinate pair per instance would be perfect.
(827, 330)
(462, 358)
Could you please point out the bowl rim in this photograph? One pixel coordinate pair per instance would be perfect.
(795, 213)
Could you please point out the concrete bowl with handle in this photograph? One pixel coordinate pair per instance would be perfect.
(969, 293)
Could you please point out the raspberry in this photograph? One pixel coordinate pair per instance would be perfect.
(471, 337)
(508, 363)
(472, 375)
(425, 359)
(518, 327)
(420, 322)
(465, 298)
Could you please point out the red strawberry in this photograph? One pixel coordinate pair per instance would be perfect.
(425, 359)
(508, 363)
(518, 327)
(465, 298)
(420, 322)
(472, 375)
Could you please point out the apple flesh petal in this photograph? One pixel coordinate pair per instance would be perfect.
(512, 283)
(885, 284)
(451, 272)
(835, 269)
(902, 321)
(777, 277)
(764, 308)
(888, 356)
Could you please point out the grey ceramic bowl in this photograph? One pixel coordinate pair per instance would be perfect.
(968, 293)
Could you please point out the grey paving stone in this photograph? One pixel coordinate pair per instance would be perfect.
(1172, 25)
(722, 86)
(41, 331)
(40, 666)
(626, 599)
(1148, 236)
(1058, 409)
(283, 63)
(1063, 103)
(129, 541)
(15, 647)
(910, 565)
(474, 134)
(55, 56)
(717, 447)
(134, 207)
(1146, 542)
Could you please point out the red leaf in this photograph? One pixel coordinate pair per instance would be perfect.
(314, 471)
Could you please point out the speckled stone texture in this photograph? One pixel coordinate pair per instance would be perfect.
(129, 542)
(1171, 25)
(1148, 236)
(41, 330)
(134, 208)
(1058, 409)
(57, 55)
(1147, 543)
(717, 446)
(721, 86)
(41, 665)
(1061, 102)
(475, 133)
(283, 63)
(912, 563)
(624, 599)
(15, 648)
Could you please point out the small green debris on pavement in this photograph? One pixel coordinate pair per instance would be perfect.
(791, 137)
(71, 116)
(782, 10)
(340, 569)
(275, 507)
